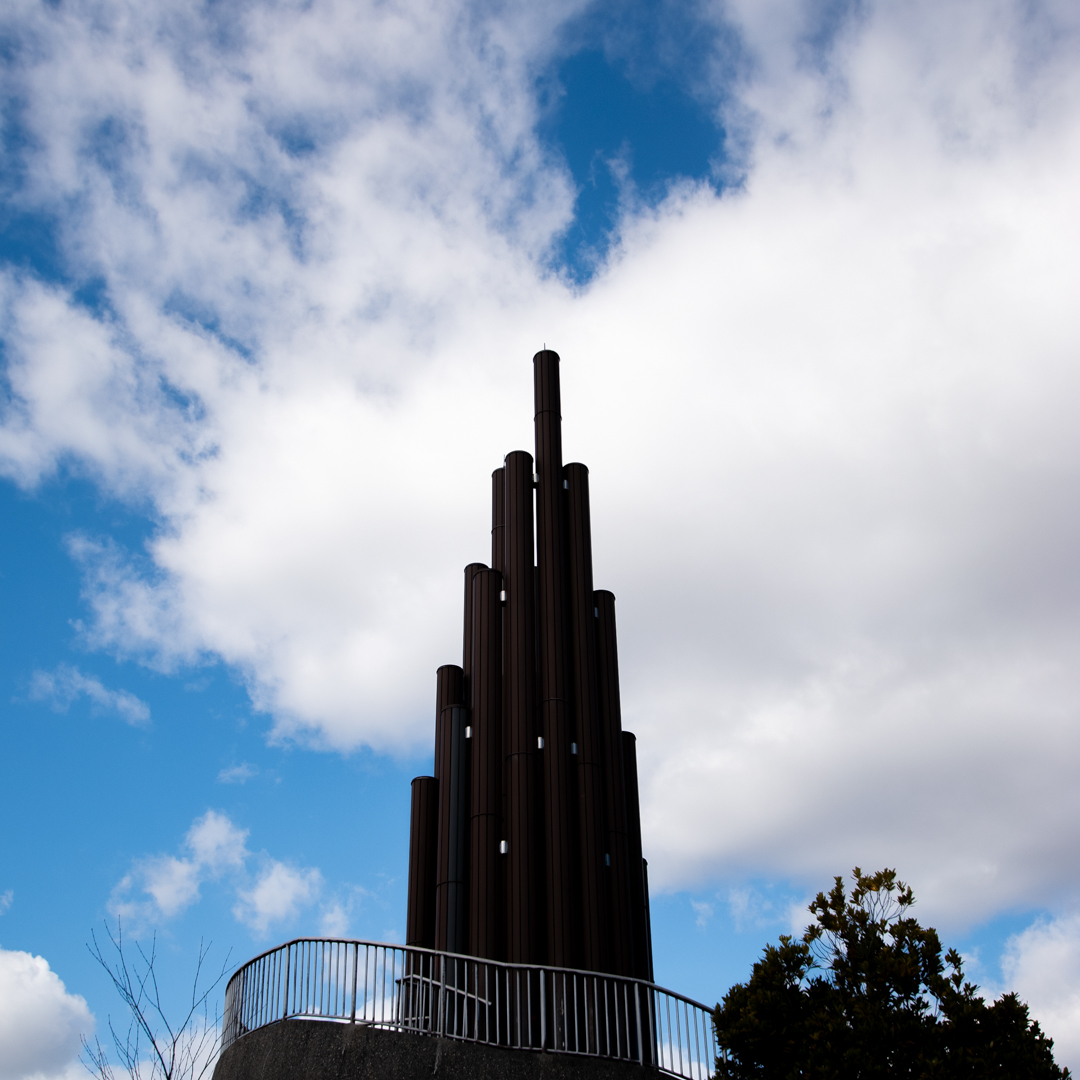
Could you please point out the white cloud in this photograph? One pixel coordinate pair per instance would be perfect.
(237, 774)
(337, 912)
(828, 415)
(751, 907)
(216, 843)
(7, 898)
(163, 886)
(173, 883)
(168, 884)
(1042, 964)
(64, 686)
(703, 911)
(40, 1022)
(334, 920)
(277, 895)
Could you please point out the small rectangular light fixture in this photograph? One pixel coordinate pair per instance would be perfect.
(596, 613)
(573, 748)
(607, 859)
(468, 732)
(502, 596)
(504, 847)
(536, 479)
(566, 485)
(539, 742)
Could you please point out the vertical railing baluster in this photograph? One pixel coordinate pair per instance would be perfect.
(300, 979)
(678, 1033)
(296, 981)
(577, 1015)
(303, 971)
(697, 1040)
(285, 1002)
(614, 996)
(393, 982)
(290, 995)
(442, 995)
(543, 1012)
(651, 999)
(356, 964)
(367, 976)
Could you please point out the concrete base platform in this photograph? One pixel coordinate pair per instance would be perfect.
(318, 1050)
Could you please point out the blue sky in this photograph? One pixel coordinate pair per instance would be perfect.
(271, 278)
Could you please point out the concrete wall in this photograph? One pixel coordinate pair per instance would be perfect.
(315, 1050)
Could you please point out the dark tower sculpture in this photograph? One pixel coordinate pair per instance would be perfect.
(526, 844)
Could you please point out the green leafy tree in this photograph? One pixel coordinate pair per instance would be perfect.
(866, 993)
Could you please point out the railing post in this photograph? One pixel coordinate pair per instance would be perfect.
(652, 1028)
(442, 996)
(543, 1013)
(285, 996)
(637, 1011)
(356, 964)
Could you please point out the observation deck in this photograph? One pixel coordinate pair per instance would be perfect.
(522, 1019)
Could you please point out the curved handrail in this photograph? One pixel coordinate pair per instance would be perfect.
(518, 1006)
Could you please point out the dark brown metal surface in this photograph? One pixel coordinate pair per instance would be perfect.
(498, 562)
(452, 771)
(639, 896)
(524, 821)
(607, 681)
(537, 832)
(595, 947)
(498, 521)
(449, 690)
(555, 689)
(467, 637)
(423, 856)
(449, 686)
(485, 869)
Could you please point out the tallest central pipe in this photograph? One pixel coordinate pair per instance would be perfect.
(555, 673)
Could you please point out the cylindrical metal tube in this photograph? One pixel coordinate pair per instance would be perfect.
(618, 851)
(524, 808)
(467, 638)
(638, 890)
(452, 771)
(423, 862)
(485, 921)
(449, 690)
(498, 562)
(451, 890)
(555, 685)
(498, 521)
(595, 947)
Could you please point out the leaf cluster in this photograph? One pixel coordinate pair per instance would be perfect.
(866, 993)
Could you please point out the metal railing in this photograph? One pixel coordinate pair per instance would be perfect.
(519, 1006)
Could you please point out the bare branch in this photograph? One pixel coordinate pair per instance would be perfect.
(185, 1048)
